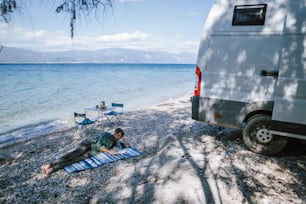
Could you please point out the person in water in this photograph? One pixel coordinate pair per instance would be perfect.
(101, 143)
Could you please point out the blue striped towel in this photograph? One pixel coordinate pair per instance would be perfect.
(100, 159)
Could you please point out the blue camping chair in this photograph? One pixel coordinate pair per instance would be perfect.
(82, 122)
(112, 116)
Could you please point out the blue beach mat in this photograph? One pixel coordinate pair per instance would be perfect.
(100, 159)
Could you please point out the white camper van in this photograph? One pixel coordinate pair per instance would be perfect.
(251, 71)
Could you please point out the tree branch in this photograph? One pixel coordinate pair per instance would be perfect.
(80, 8)
(7, 7)
(74, 8)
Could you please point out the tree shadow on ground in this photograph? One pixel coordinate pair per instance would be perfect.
(182, 161)
(240, 175)
(159, 174)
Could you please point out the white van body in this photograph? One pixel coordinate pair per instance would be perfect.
(252, 62)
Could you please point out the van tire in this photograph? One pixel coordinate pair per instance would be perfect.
(257, 138)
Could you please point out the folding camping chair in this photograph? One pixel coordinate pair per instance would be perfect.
(82, 122)
(112, 116)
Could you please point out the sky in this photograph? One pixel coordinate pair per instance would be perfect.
(153, 25)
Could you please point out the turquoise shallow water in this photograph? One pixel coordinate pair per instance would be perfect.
(48, 94)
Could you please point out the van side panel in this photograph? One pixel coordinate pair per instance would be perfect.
(290, 93)
(233, 71)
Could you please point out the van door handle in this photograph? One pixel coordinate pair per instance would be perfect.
(268, 73)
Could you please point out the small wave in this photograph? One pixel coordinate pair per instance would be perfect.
(32, 131)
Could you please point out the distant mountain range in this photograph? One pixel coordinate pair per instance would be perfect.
(111, 55)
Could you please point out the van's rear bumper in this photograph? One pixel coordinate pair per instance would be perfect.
(226, 113)
(219, 112)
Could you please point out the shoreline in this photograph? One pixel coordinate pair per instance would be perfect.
(31, 131)
(42, 128)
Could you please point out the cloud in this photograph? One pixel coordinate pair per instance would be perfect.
(123, 37)
(42, 40)
(189, 46)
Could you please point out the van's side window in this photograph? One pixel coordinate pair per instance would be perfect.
(249, 15)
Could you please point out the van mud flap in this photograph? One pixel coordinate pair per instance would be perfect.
(195, 107)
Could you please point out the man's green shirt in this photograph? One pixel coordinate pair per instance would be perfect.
(105, 139)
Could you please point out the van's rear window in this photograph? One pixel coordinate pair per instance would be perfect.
(249, 15)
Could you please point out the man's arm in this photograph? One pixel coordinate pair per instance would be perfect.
(126, 142)
(109, 151)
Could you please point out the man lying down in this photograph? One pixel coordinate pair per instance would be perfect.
(102, 143)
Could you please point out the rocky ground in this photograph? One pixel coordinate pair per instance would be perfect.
(183, 161)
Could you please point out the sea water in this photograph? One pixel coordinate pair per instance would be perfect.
(37, 99)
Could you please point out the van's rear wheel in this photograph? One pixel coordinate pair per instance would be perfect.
(257, 136)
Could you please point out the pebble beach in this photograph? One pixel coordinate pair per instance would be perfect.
(182, 161)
